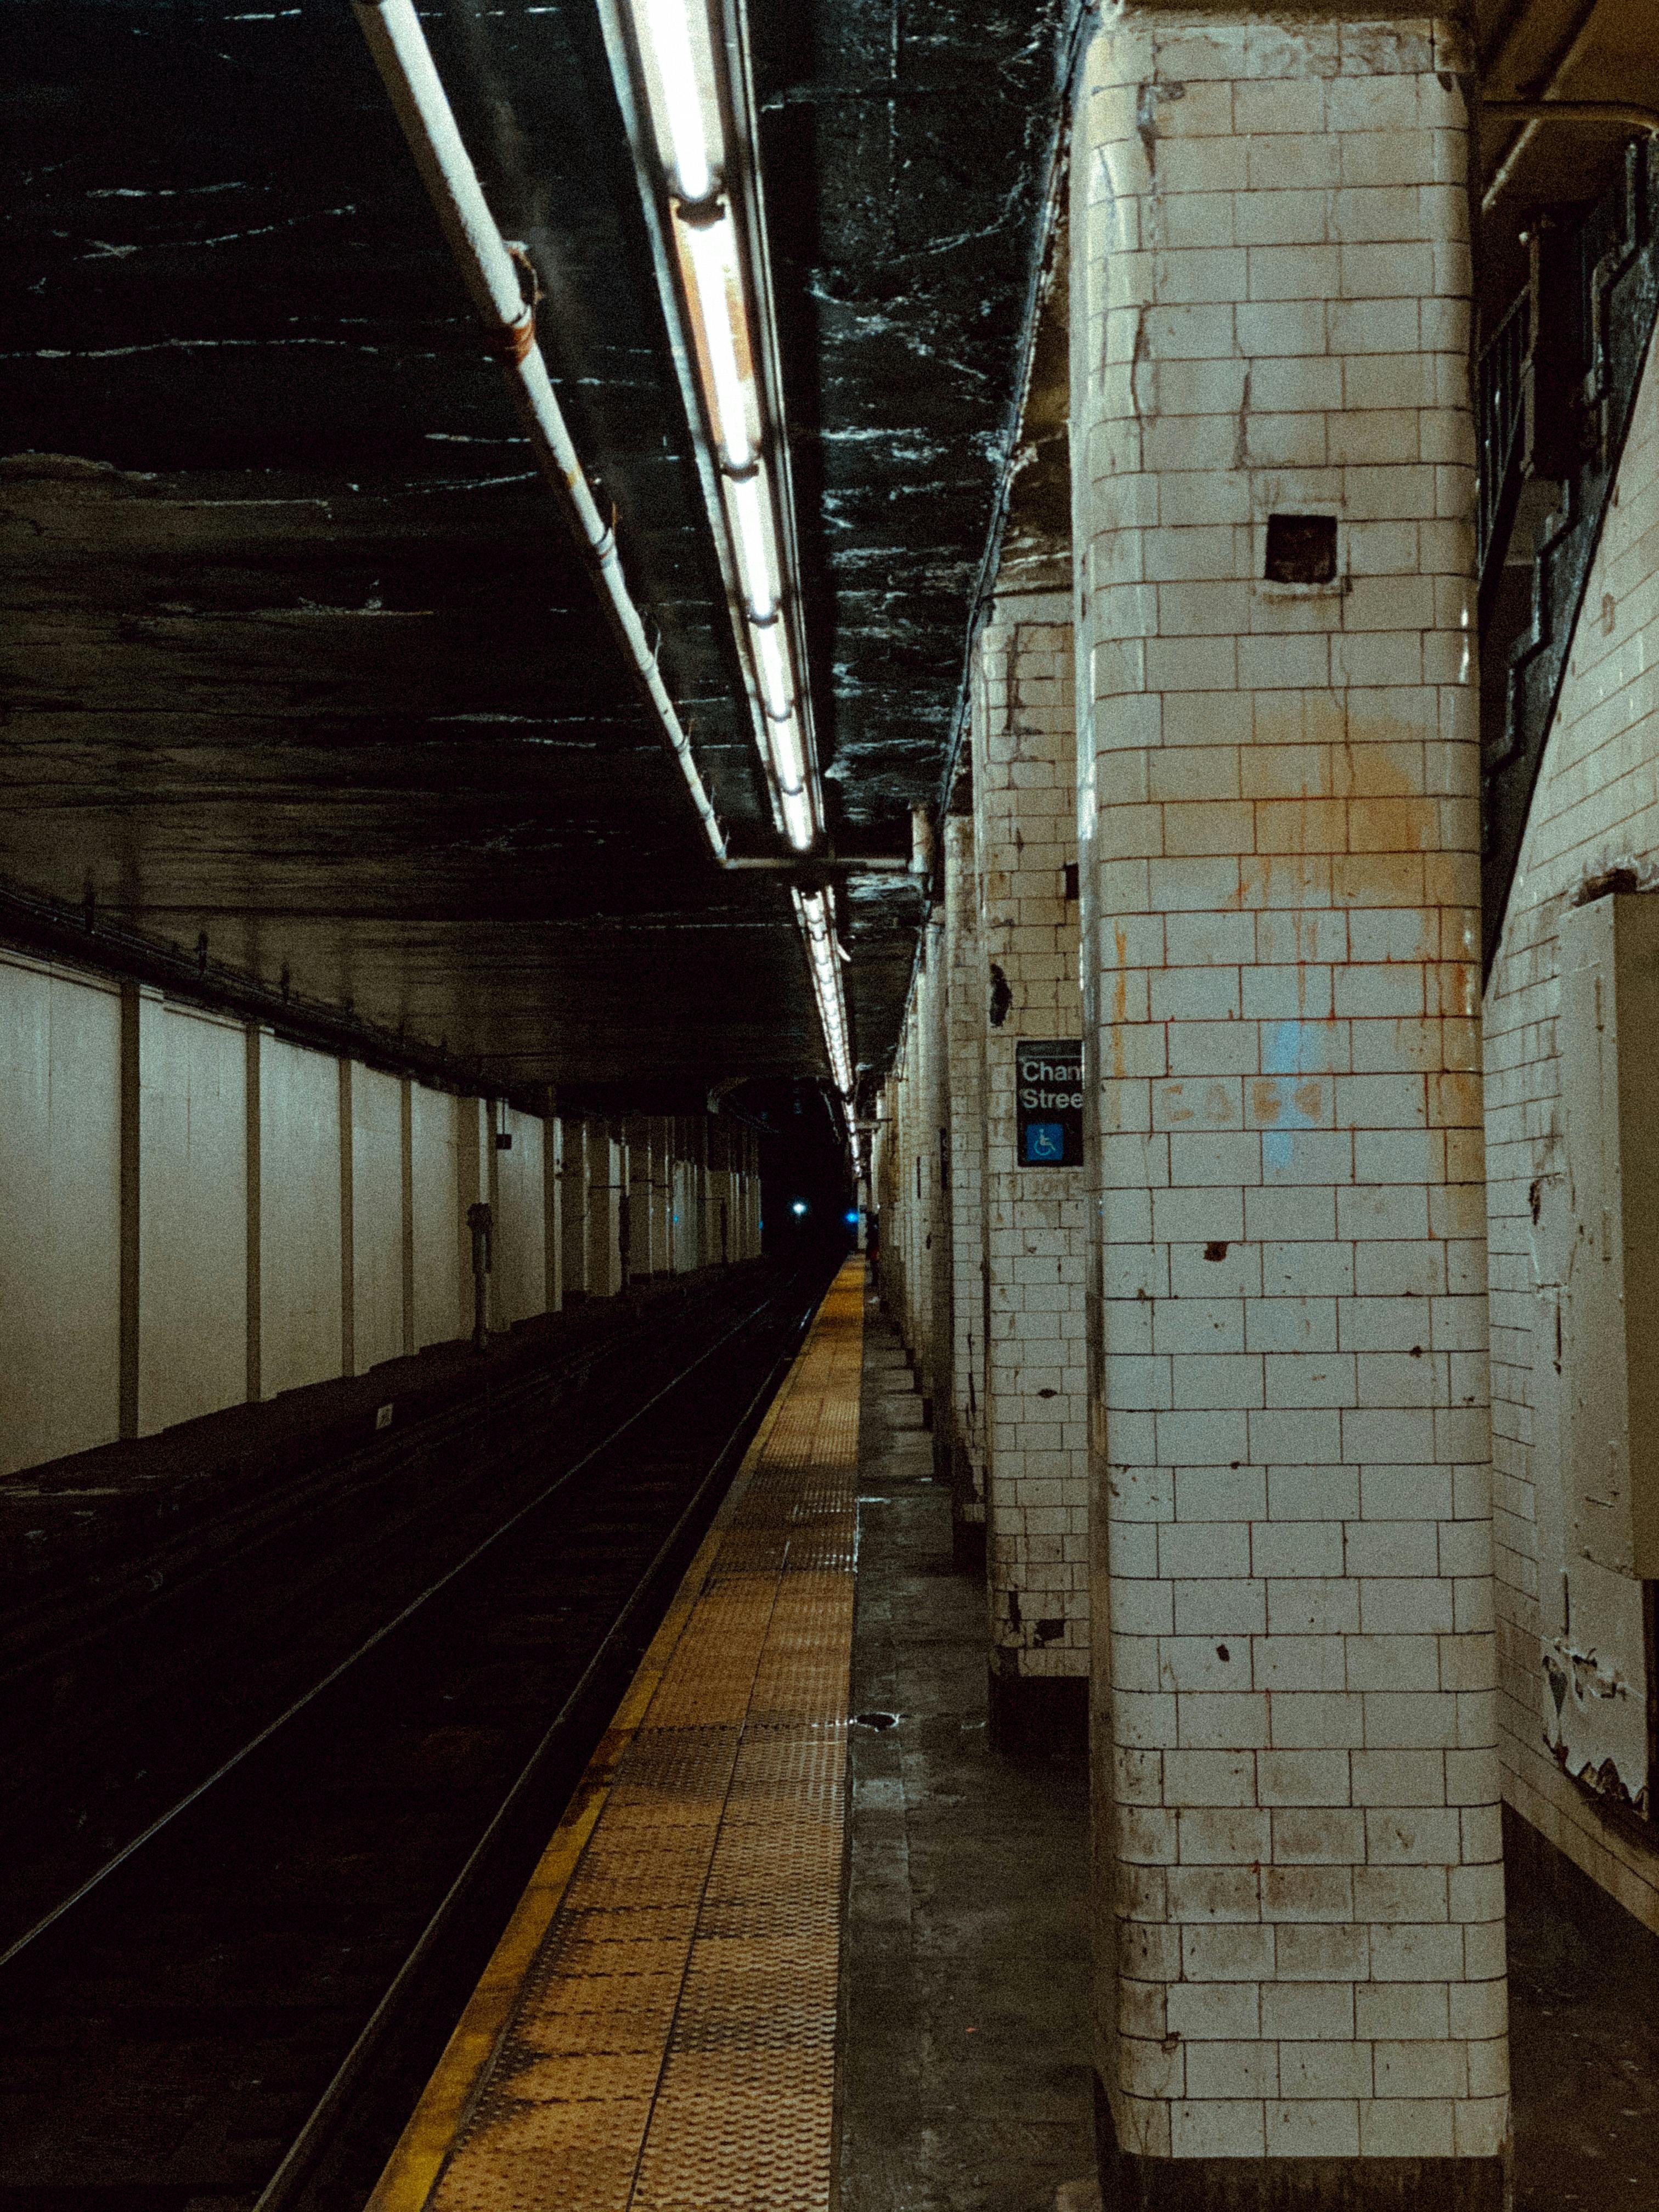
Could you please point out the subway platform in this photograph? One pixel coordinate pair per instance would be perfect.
(805, 1941)
(799, 1939)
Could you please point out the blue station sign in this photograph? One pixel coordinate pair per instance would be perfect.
(1048, 1096)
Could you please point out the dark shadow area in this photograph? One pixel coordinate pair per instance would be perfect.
(966, 2078)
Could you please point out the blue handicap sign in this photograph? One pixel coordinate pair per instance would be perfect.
(1045, 1140)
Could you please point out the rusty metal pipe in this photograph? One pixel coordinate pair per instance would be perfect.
(1625, 112)
(497, 280)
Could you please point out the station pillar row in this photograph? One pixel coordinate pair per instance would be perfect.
(933, 1260)
(1298, 1897)
(1032, 1213)
(963, 1116)
(923, 1133)
(905, 1302)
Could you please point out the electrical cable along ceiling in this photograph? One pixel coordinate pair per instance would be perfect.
(301, 656)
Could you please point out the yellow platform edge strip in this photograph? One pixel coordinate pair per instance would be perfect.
(412, 2171)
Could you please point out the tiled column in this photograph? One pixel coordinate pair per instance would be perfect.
(1035, 1230)
(964, 1096)
(933, 1279)
(885, 1187)
(895, 1227)
(907, 1175)
(915, 1181)
(1301, 1909)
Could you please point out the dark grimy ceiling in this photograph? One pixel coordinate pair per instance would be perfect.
(297, 654)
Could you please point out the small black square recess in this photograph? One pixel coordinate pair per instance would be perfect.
(1301, 549)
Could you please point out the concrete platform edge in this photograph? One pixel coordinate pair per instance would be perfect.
(412, 2171)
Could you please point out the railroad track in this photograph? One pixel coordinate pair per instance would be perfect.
(241, 2007)
(233, 1600)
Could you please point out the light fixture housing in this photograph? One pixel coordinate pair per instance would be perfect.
(815, 911)
(680, 68)
(682, 75)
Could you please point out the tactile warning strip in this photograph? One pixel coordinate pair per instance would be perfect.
(666, 2041)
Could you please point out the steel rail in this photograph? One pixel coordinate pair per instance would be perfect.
(275, 1516)
(307, 2146)
(225, 1766)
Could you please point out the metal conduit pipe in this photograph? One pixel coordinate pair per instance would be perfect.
(495, 280)
(1530, 113)
(1625, 112)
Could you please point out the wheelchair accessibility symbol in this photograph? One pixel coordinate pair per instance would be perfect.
(1049, 1102)
(1045, 1140)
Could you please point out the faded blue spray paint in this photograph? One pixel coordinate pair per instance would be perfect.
(1281, 1056)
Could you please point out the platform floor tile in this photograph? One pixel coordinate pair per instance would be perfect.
(668, 2042)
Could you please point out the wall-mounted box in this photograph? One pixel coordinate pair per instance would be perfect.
(1609, 1059)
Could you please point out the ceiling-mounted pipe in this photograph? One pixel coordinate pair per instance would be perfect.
(1566, 59)
(1623, 113)
(495, 280)
(1626, 113)
(498, 277)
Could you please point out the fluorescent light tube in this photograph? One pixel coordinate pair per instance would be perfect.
(787, 754)
(756, 544)
(772, 668)
(797, 818)
(664, 31)
(816, 916)
(711, 256)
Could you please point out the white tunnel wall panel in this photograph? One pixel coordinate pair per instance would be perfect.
(573, 1212)
(433, 1117)
(60, 1185)
(300, 1257)
(520, 1258)
(475, 1173)
(1610, 1087)
(554, 1213)
(607, 1173)
(1572, 1637)
(1607, 1513)
(170, 1244)
(377, 1218)
(192, 1282)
